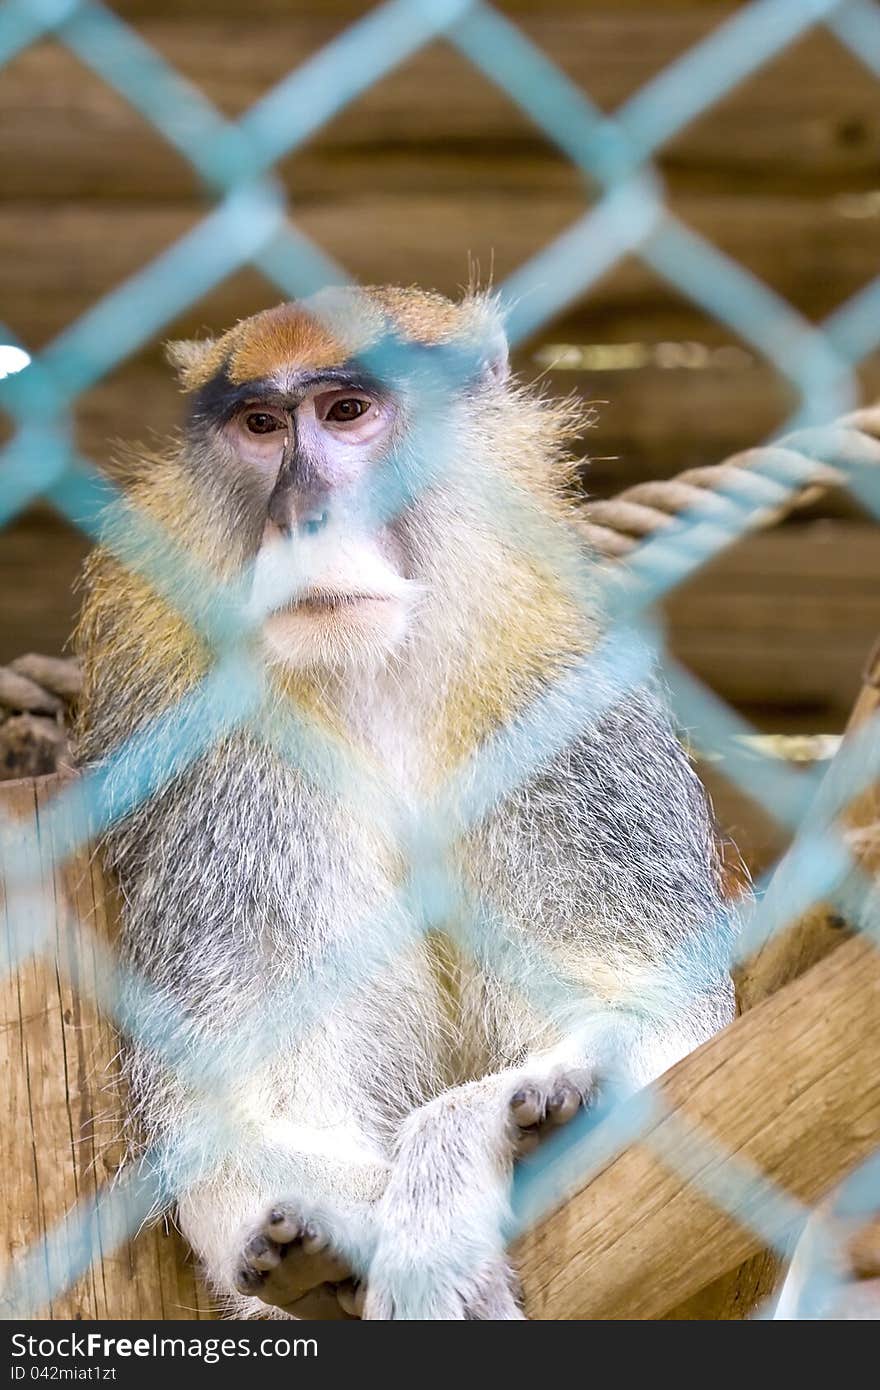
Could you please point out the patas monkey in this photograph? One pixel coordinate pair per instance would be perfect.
(373, 1145)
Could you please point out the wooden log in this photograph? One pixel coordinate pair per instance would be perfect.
(62, 1103)
(791, 1088)
(782, 958)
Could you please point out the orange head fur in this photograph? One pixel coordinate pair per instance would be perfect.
(329, 329)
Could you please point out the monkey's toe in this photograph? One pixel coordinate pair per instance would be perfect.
(292, 1264)
(539, 1107)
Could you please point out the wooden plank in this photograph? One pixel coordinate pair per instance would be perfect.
(841, 557)
(782, 621)
(791, 1088)
(810, 118)
(62, 1102)
(751, 674)
(57, 257)
(40, 558)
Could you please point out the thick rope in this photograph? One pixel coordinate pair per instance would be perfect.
(36, 696)
(771, 482)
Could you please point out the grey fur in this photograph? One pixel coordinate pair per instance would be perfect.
(592, 939)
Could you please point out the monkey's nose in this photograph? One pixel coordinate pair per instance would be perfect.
(312, 522)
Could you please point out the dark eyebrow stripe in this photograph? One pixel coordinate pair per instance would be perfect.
(218, 400)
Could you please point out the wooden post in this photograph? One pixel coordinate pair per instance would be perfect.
(59, 1135)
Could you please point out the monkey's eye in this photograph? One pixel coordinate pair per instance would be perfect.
(352, 415)
(346, 409)
(260, 422)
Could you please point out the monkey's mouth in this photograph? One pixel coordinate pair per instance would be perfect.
(332, 627)
(332, 600)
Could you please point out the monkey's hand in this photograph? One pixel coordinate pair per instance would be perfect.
(441, 1221)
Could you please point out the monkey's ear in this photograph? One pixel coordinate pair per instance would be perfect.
(498, 356)
(492, 337)
(192, 360)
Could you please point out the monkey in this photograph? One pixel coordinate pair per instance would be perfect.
(573, 934)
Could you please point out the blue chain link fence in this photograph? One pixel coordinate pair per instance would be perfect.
(249, 223)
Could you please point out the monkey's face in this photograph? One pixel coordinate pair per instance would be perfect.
(330, 581)
(294, 441)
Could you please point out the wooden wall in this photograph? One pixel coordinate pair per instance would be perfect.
(434, 169)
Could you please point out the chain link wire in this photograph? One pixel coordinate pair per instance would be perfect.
(249, 224)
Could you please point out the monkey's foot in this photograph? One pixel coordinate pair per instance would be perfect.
(292, 1264)
(538, 1108)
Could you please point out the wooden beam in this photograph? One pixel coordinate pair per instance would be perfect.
(784, 957)
(791, 1088)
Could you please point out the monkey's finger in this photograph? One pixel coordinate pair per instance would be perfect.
(262, 1254)
(563, 1104)
(314, 1239)
(282, 1226)
(249, 1281)
(527, 1106)
(527, 1142)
